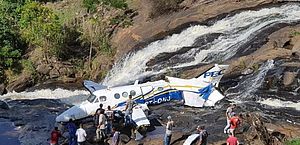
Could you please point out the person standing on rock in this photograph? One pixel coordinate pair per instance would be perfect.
(228, 116)
(234, 122)
(110, 117)
(81, 135)
(97, 113)
(55, 135)
(169, 128)
(72, 131)
(232, 140)
(116, 137)
(128, 110)
(203, 135)
(100, 132)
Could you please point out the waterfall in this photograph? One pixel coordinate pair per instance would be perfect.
(246, 88)
(235, 31)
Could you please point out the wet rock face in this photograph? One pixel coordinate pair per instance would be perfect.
(20, 84)
(3, 105)
(36, 118)
(2, 89)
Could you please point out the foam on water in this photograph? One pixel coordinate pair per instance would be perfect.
(236, 31)
(280, 104)
(67, 96)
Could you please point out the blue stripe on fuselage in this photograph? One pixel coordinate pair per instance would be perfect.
(164, 97)
(161, 97)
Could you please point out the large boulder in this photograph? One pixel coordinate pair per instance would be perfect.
(255, 132)
(43, 69)
(54, 73)
(3, 105)
(2, 89)
(289, 77)
(20, 84)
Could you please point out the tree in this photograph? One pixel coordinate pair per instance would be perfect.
(10, 44)
(41, 27)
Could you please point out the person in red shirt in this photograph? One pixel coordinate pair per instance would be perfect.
(55, 135)
(234, 122)
(232, 140)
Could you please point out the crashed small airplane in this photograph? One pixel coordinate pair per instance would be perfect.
(195, 92)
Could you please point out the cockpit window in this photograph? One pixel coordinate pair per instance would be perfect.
(91, 98)
(125, 94)
(102, 98)
(117, 95)
(132, 93)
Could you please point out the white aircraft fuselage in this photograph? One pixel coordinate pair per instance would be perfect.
(152, 93)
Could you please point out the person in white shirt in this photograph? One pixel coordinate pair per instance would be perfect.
(100, 132)
(228, 116)
(169, 128)
(81, 135)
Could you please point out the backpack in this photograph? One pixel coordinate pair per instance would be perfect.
(204, 134)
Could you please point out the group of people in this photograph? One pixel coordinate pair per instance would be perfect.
(103, 121)
(75, 136)
(233, 121)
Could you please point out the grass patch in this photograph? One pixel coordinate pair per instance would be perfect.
(293, 142)
(295, 33)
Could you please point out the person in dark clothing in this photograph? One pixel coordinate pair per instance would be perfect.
(55, 135)
(202, 135)
(72, 132)
(97, 113)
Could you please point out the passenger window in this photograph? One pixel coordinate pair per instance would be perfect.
(132, 93)
(96, 100)
(125, 94)
(102, 98)
(117, 95)
(160, 88)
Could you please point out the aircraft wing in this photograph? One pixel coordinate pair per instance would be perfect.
(92, 86)
(139, 116)
(191, 139)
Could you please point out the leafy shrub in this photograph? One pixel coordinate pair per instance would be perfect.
(91, 5)
(40, 27)
(11, 47)
(293, 142)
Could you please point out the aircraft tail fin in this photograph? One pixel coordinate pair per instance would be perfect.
(92, 86)
(213, 75)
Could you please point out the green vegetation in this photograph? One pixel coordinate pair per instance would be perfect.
(293, 142)
(10, 44)
(39, 31)
(40, 27)
(91, 5)
(295, 33)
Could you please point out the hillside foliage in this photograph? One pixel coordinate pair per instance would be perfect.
(31, 31)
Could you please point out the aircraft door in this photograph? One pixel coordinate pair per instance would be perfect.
(146, 90)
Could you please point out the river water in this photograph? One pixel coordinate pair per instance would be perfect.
(8, 133)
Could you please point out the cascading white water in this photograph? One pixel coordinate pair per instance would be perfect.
(248, 87)
(236, 31)
(67, 96)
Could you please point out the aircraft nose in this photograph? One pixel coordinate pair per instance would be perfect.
(75, 112)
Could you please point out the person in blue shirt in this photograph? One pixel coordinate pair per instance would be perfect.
(72, 132)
